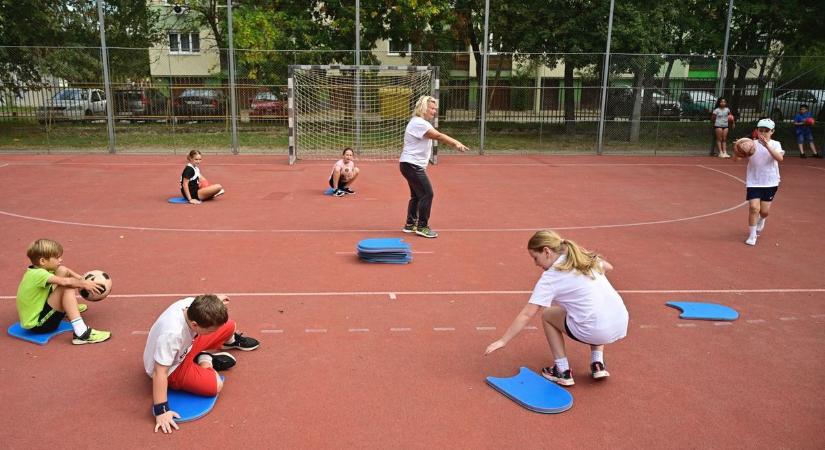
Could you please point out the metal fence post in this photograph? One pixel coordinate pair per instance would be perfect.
(107, 88)
(484, 77)
(604, 80)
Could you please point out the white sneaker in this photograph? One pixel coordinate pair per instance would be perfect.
(751, 240)
(760, 225)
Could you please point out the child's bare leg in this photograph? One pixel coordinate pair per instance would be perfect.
(209, 191)
(355, 173)
(754, 211)
(64, 298)
(724, 141)
(718, 133)
(764, 209)
(336, 177)
(553, 322)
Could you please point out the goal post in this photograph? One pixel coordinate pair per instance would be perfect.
(367, 108)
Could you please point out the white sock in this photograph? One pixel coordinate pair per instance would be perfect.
(760, 224)
(204, 358)
(231, 340)
(752, 231)
(79, 326)
(562, 364)
(596, 356)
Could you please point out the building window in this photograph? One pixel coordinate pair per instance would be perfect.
(397, 48)
(184, 43)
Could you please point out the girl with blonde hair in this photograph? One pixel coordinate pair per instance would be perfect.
(575, 298)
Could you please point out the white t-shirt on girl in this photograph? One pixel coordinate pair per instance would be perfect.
(763, 170)
(595, 312)
(417, 148)
(721, 117)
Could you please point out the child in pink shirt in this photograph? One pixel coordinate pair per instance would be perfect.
(343, 174)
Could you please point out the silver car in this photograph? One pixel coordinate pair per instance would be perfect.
(73, 104)
(786, 105)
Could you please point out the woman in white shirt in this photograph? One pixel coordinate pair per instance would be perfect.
(721, 122)
(418, 147)
(575, 299)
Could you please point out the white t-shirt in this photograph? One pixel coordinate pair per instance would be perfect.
(170, 338)
(417, 147)
(763, 170)
(595, 312)
(347, 169)
(721, 117)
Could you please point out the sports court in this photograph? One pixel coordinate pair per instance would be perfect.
(357, 355)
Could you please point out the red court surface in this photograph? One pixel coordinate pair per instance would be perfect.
(356, 355)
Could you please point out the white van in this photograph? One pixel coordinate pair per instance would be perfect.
(73, 104)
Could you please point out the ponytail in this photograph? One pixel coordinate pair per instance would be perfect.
(578, 258)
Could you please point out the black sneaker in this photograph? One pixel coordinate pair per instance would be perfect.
(409, 228)
(803, 156)
(553, 374)
(242, 343)
(339, 193)
(220, 361)
(347, 190)
(598, 371)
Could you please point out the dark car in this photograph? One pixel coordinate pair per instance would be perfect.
(144, 103)
(267, 106)
(659, 106)
(202, 102)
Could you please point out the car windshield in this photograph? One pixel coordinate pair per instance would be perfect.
(199, 93)
(266, 97)
(70, 94)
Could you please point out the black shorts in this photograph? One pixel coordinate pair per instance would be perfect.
(721, 128)
(766, 194)
(341, 183)
(49, 319)
(192, 192)
(570, 334)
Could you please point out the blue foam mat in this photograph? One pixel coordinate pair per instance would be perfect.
(38, 338)
(189, 406)
(178, 200)
(533, 392)
(704, 311)
(329, 191)
(382, 244)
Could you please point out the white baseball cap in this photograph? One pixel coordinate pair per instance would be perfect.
(766, 123)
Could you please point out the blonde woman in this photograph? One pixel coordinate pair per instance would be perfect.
(574, 298)
(418, 148)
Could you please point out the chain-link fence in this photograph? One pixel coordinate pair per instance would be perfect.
(165, 100)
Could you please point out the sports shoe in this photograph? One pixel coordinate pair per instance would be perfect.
(751, 240)
(91, 336)
(553, 374)
(347, 190)
(242, 343)
(425, 232)
(760, 225)
(221, 192)
(598, 371)
(220, 361)
(803, 156)
(409, 228)
(338, 193)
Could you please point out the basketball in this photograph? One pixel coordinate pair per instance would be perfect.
(203, 182)
(731, 119)
(744, 147)
(809, 121)
(98, 277)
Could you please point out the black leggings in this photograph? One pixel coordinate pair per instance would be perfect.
(421, 194)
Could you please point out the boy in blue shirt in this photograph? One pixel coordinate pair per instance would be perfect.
(803, 131)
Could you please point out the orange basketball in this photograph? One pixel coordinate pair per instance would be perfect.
(203, 182)
(731, 119)
(744, 147)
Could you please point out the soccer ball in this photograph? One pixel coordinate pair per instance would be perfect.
(98, 277)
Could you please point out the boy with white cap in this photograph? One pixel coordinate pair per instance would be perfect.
(762, 178)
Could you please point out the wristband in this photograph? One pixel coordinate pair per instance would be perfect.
(160, 408)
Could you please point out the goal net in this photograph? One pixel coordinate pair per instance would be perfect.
(363, 107)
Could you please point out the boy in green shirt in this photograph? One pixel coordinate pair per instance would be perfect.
(48, 293)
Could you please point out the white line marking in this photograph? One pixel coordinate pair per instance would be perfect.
(392, 296)
(359, 330)
(648, 326)
(272, 331)
(400, 329)
(4, 165)
(531, 327)
(685, 325)
(755, 321)
(386, 293)
(722, 324)
(315, 330)
(788, 318)
(140, 332)
(443, 329)
(724, 173)
(817, 316)
(485, 328)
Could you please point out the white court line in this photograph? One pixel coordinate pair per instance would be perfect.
(685, 325)
(724, 173)
(359, 330)
(722, 324)
(315, 330)
(443, 329)
(817, 316)
(392, 296)
(140, 332)
(756, 321)
(648, 326)
(395, 293)
(531, 327)
(485, 328)
(449, 230)
(786, 319)
(400, 329)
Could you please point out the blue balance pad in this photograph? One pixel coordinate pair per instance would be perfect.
(533, 392)
(382, 245)
(190, 406)
(329, 191)
(704, 311)
(178, 200)
(38, 338)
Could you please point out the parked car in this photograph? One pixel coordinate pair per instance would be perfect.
(145, 103)
(201, 102)
(267, 106)
(620, 104)
(697, 104)
(786, 105)
(73, 104)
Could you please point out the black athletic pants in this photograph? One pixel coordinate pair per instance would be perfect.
(421, 194)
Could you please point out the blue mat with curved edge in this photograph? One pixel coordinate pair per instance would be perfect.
(329, 191)
(189, 406)
(178, 200)
(38, 338)
(704, 311)
(382, 245)
(533, 392)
